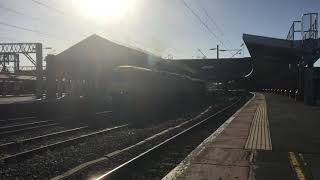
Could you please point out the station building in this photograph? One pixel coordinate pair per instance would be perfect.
(85, 68)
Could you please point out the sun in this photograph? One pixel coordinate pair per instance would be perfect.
(103, 9)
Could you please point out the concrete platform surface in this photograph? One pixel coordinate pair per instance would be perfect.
(271, 137)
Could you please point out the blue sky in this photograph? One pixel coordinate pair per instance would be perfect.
(160, 26)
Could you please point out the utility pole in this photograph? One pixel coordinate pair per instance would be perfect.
(217, 51)
(224, 50)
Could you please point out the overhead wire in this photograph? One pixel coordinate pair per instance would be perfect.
(216, 26)
(78, 17)
(67, 14)
(17, 12)
(203, 23)
(50, 7)
(238, 51)
(214, 23)
(23, 28)
(30, 17)
(9, 39)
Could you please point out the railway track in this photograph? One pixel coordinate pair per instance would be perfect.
(73, 173)
(24, 125)
(17, 119)
(110, 160)
(14, 146)
(14, 125)
(156, 162)
(16, 157)
(56, 158)
(17, 140)
(6, 133)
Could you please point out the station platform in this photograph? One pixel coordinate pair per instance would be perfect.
(270, 137)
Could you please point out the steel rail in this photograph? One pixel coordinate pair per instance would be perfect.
(27, 129)
(20, 126)
(18, 144)
(18, 156)
(18, 118)
(124, 169)
(82, 167)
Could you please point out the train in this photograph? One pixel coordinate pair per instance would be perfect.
(141, 94)
(134, 94)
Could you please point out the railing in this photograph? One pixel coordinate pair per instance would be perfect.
(293, 30)
(309, 26)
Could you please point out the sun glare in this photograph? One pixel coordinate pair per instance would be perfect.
(104, 9)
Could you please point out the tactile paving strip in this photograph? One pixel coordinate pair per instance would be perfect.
(259, 135)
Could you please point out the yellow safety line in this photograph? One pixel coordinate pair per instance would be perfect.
(259, 133)
(256, 130)
(268, 136)
(264, 132)
(268, 128)
(296, 166)
(251, 137)
(301, 156)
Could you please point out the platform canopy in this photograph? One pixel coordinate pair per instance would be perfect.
(211, 69)
(282, 50)
(276, 61)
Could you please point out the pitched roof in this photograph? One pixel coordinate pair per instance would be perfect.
(96, 53)
(95, 47)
